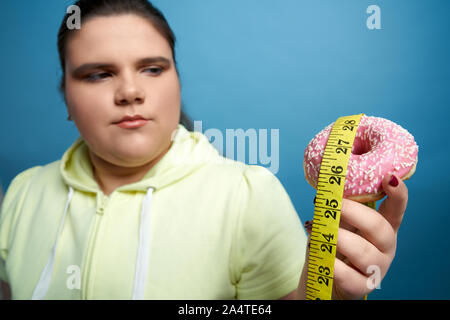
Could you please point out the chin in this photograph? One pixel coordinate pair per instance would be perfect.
(133, 150)
(135, 158)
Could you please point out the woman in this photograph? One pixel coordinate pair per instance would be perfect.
(140, 207)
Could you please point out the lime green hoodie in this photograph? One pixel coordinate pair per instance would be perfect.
(197, 226)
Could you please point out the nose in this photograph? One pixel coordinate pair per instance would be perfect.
(129, 92)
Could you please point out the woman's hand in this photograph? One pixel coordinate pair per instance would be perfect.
(367, 241)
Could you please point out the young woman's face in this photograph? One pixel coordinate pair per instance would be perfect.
(121, 66)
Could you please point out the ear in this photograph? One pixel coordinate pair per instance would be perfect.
(69, 116)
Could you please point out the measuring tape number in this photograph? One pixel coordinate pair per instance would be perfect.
(327, 211)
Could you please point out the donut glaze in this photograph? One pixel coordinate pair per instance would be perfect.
(381, 148)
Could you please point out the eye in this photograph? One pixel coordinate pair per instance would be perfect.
(96, 76)
(153, 70)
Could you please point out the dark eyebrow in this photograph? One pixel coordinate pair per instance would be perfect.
(148, 60)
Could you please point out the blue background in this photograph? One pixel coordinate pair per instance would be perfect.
(290, 65)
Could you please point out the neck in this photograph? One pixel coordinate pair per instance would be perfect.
(110, 176)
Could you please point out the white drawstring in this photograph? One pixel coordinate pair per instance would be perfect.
(140, 275)
(44, 281)
(142, 255)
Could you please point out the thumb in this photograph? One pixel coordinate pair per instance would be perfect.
(394, 206)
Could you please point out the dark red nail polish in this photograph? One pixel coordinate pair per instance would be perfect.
(394, 181)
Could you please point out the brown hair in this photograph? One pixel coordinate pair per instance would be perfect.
(96, 8)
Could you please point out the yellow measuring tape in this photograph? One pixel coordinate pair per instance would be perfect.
(327, 212)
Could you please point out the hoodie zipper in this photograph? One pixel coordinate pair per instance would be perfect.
(101, 205)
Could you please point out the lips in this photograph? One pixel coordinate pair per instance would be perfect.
(131, 122)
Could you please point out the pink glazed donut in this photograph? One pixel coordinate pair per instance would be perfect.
(381, 148)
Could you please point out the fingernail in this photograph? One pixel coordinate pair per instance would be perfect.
(394, 181)
(314, 200)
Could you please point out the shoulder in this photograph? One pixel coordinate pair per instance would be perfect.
(24, 179)
(262, 203)
(250, 184)
(254, 176)
(11, 204)
(29, 180)
(242, 173)
(26, 187)
(261, 190)
(269, 242)
(20, 183)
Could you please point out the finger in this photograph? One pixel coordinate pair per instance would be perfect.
(371, 224)
(344, 225)
(349, 283)
(308, 228)
(359, 252)
(394, 206)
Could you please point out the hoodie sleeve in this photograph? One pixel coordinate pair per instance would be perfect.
(10, 209)
(270, 242)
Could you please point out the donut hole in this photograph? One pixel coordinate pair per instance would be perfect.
(360, 146)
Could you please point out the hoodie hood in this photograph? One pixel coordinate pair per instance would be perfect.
(189, 151)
